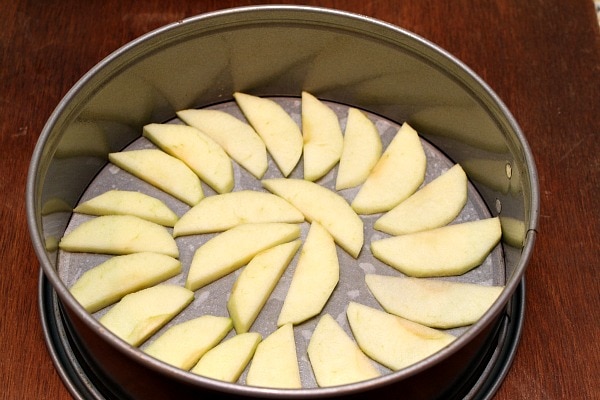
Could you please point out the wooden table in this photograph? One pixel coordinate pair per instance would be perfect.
(541, 57)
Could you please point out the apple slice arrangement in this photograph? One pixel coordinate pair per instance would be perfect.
(227, 243)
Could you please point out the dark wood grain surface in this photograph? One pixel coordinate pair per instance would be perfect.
(541, 57)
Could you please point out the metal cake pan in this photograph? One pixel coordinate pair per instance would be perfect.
(276, 51)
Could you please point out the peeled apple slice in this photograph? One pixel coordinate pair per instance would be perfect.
(398, 173)
(119, 234)
(238, 139)
(393, 341)
(316, 275)
(275, 363)
(227, 360)
(449, 250)
(124, 202)
(513, 231)
(183, 344)
(140, 314)
(324, 206)
(163, 171)
(323, 138)
(197, 150)
(361, 151)
(275, 126)
(335, 358)
(434, 303)
(434, 205)
(255, 283)
(109, 281)
(234, 248)
(224, 211)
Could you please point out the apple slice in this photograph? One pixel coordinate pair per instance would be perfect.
(140, 314)
(224, 211)
(237, 138)
(233, 248)
(183, 344)
(197, 150)
(119, 234)
(434, 205)
(434, 303)
(275, 363)
(163, 171)
(324, 206)
(393, 341)
(335, 358)
(513, 231)
(124, 202)
(398, 173)
(253, 287)
(109, 281)
(361, 151)
(449, 250)
(323, 139)
(275, 126)
(227, 360)
(315, 277)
